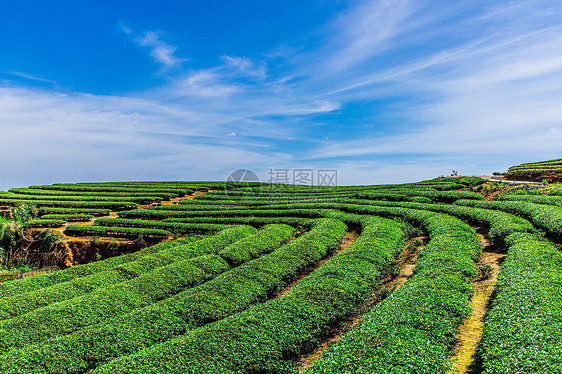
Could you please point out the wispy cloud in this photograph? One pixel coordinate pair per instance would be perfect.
(93, 137)
(160, 51)
(31, 77)
(369, 29)
(208, 83)
(497, 96)
(481, 88)
(246, 66)
(481, 93)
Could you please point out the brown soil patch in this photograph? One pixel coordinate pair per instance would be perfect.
(491, 189)
(83, 249)
(346, 241)
(33, 253)
(174, 201)
(80, 250)
(404, 266)
(178, 199)
(469, 333)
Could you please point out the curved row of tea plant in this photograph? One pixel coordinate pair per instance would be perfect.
(227, 294)
(72, 204)
(286, 327)
(413, 329)
(523, 329)
(132, 199)
(546, 217)
(36, 191)
(265, 240)
(166, 277)
(21, 286)
(535, 199)
(497, 223)
(45, 222)
(243, 220)
(96, 188)
(69, 217)
(92, 211)
(179, 227)
(119, 232)
(535, 170)
(438, 196)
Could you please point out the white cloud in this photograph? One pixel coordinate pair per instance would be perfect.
(207, 83)
(30, 77)
(368, 29)
(481, 87)
(246, 66)
(497, 98)
(162, 52)
(49, 137)
(126, 29)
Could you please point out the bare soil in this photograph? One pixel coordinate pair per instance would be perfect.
(79, 250)
(469, 334)
(346, 241)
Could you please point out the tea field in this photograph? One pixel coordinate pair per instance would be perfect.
(249, 278)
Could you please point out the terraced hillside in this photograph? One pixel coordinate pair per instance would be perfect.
(550, 171)
(425, 277)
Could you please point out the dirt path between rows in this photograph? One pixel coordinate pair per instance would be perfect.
(469, 333)
(404, 266)
(115, 214)
(82, 249)
(346, 241)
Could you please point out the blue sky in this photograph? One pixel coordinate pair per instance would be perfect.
(382, 91)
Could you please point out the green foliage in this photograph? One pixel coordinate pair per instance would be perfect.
(22, 212)
(180, 227)
(21, 286)
(113, 205)
(420, 199)
(89, 197)
(523, 329)
(146, 281)
(10, 233)
(535, 170)
(412, 330)
(48, 239)
(432, 195)
(68, 217)
(218, 298)
(77, 211)
(36, 223)
(499, 224)
(124, 232)
(213, 306)
(269, 238)
(281, 327)
(546, 217)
